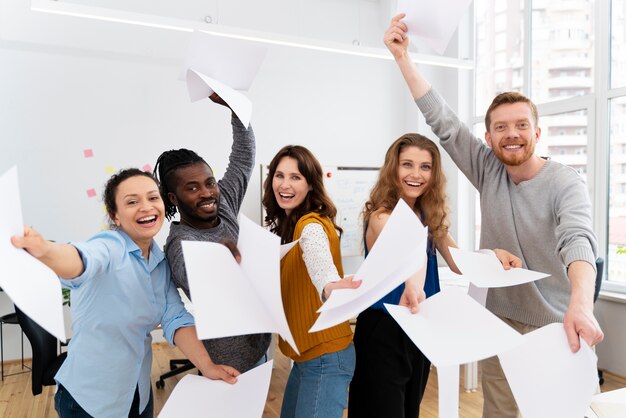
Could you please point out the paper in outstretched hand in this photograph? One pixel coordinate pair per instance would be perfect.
(433, 22)
(398, 253)
(485, 270)
(223, 65)
(32, 286)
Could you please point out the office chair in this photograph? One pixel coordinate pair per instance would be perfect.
(46, 362)
(600, 272)
(177, 366)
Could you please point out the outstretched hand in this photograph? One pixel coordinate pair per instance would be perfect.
(32, 241)
(396, 37)
(412, 296)
(221, 372)
(580, 323)
(507, 259)
(347, 282)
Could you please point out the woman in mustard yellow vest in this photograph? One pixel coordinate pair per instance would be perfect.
(298, 208)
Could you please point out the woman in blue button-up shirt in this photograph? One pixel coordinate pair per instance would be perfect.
(121, 290)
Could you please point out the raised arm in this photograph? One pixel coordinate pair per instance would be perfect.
(63, 259)
(234, 183)
(397, 41)
(413, 293)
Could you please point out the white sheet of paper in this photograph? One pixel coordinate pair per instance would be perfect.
(285, 248)
(231, 299)
(451, 328)
(610, 404)
(30, 284)
(485, 270)
(201, 86)
(434, 22)
(399, 253)
(231, 61)
(198, 397)
(260, 262)
(546, 378)
(448, 388)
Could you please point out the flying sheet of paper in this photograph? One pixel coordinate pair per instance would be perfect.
(451, 328)
(433, 22)
(485, 270)
(399, 253)
(231, 299)
(198, 397)
(201, 86)
(231, 61)
(610, 404)
(546, 378)
(448, 388)
(260, 262)
(31, 285)
(285, 248)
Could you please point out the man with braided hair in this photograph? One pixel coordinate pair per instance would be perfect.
(208, 212)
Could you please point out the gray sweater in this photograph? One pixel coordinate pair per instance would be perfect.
(546, 221)
(240, 352)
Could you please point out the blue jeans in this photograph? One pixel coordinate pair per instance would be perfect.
(67, 407)
(318, 388)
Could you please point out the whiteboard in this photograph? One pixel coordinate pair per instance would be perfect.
(349, 189)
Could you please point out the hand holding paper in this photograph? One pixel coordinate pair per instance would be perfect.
(485, 270)
(220, 65)
(397, 254)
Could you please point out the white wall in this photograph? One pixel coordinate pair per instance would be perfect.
(70, 84)
(610, 315)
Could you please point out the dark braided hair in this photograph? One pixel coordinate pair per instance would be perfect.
(110, 189)
(167, 163)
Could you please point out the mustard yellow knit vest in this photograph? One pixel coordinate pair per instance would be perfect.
(301, 300)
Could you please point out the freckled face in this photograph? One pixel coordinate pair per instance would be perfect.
(289, 185)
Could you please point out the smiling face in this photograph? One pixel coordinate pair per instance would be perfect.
(414, 172)
(512, 133)
(289, 185)
(196, 196)
(139, 210)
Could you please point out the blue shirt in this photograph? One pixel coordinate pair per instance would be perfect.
(116, 302)
(431, 284)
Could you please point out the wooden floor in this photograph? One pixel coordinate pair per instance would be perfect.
(17, 401)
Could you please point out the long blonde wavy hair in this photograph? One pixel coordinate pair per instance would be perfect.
(387, 190)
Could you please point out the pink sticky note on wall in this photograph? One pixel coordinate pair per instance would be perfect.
(91, 193)
(147, 168)
(88, 153)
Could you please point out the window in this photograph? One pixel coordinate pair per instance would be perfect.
(499, 28)
(617, 191)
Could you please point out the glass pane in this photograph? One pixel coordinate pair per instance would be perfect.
(479, 131)
(617, 192)
(618, 43)
(564, 139)
(499, 49)
(562, 49)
